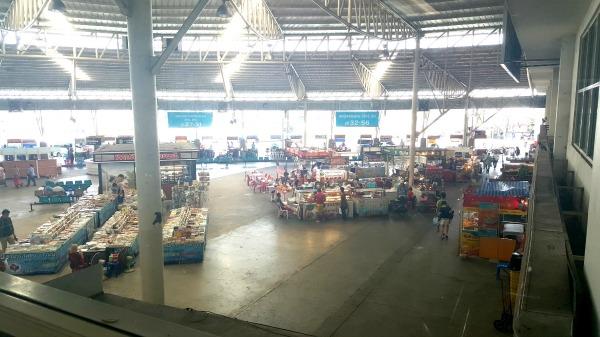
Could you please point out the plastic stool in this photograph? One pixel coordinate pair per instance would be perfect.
(500, 266)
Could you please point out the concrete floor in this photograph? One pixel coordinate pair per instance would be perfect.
(363, 277)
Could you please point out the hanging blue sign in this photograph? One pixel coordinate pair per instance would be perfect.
(189, 119)
(357, 118)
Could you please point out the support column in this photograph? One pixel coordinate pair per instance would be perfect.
(143, 94)
(466, 121)
(413, 121)
(551, 96)
(305, 125)
(563, 108)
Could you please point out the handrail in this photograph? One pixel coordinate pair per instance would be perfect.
(545, 298)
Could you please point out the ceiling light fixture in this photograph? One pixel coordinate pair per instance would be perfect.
(223, 10)
(57, 6)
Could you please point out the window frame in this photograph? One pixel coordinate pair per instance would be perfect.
(587, 93)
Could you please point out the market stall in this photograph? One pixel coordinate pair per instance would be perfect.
(115, 243)
(370, 202)
(177, 163)
(493, 220)
(45, 250)
(184, 235)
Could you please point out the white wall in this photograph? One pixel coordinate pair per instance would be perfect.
(588, 176)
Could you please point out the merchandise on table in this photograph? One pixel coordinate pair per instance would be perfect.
(370, 202)
(184, 235)
(119, 233)
(46, 249)
(493, 219)
(194, 195)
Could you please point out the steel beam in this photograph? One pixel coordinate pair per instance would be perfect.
(257, 15)
(123, 6)
(180, 33)
(370, 83)
(369, 17)
(296, 83)
(227, 86)
(22, 14)
(388, 104)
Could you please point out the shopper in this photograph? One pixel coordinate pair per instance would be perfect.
(320, 201)
(7, 231)
(120, 197)
(76, 260)
(343, 204)
(70, 156)
(438, 206)
(17, 178)
(411, 198)
(445, 215)
(517, 151)
(2, 175)
(31, 175)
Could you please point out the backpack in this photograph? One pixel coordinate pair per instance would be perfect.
(446, 212)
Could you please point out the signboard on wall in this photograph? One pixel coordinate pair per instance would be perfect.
(357, 118)
(189, 119)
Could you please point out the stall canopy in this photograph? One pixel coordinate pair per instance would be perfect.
(124, 153)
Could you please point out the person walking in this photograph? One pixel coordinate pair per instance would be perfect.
(31, 175)
(438, 206)
(445, 216)
(343, 204)
(7, 231)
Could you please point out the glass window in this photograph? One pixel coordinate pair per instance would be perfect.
(588, 89)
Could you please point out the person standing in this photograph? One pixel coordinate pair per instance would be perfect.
(76, 259)
(343, 204)
(7, 231)
(320, 201)
(31, 175)
(411, 198)
(17, 177)
(2, 175)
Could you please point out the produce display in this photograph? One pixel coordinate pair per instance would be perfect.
(184, 235)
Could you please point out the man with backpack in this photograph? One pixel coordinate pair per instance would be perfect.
(445, 215)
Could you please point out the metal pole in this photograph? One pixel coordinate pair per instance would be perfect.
(305, 125)
(466, 121)
(143, 93)
(415, 105)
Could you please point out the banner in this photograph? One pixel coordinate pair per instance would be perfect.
(357, 118)
(189, 119)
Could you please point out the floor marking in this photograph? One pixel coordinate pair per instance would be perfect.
(465, 325)
(426, 329)
(457, 301)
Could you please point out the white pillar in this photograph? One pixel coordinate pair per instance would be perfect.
(305, 125)
(415, 106)
(563, 108)
(466, 121)
(551, 95)
(143, 93)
